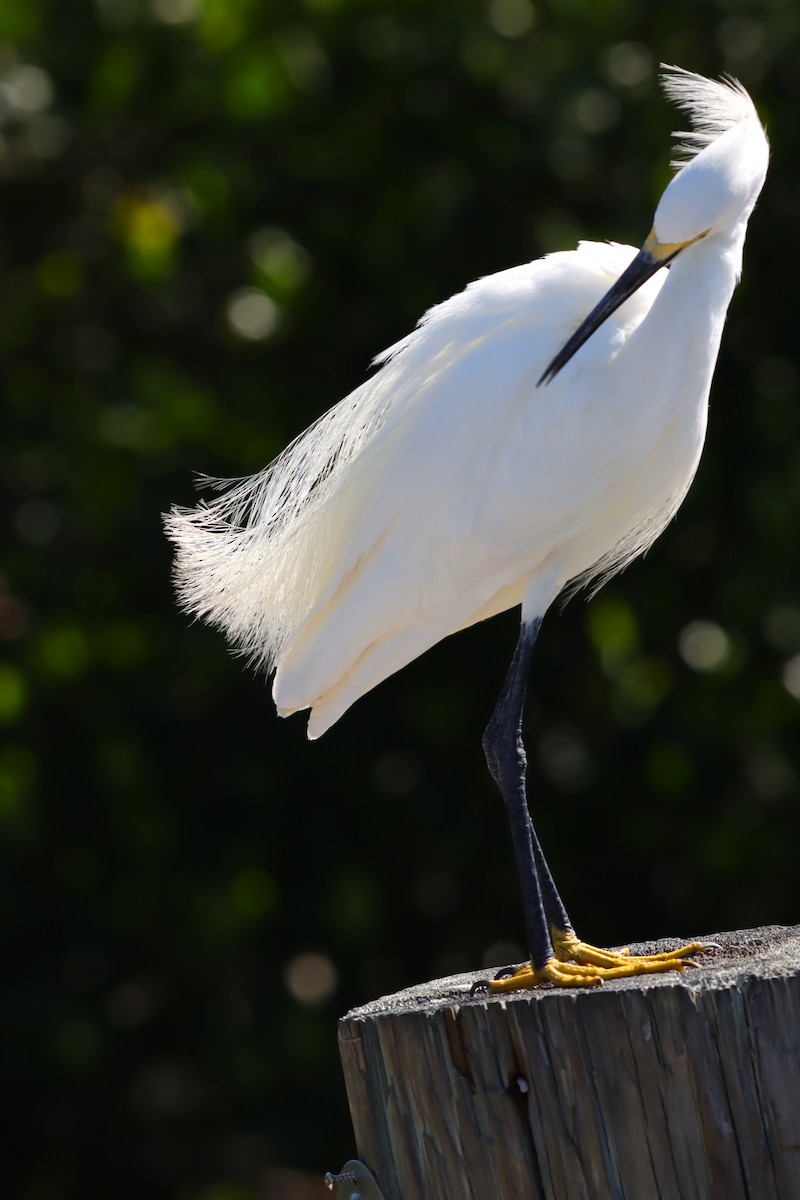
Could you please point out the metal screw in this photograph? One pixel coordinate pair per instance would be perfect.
(354, 1172)
(331, 1180)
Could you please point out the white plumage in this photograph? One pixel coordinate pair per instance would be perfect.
(449, 486)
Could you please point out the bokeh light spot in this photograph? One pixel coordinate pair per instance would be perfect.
(311, 978)
(149, 227)
(63, 651)
(597, 110)
(27, 88)
(613, 630)
(279, 258)
(791, 676)
(13, 693)
(252, 315)
(512, 18)
(704, 646)
(175, 12)
(629, 63)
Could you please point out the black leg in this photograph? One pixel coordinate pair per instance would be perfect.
(505, 756)
(553, 904)
(546, 920)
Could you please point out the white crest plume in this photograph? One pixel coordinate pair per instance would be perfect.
(713, 105)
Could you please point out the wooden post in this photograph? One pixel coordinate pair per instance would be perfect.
(672, 1087)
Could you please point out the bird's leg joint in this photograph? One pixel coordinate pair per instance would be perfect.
(504, 749)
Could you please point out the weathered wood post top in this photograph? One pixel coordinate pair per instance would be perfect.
(663, 1087)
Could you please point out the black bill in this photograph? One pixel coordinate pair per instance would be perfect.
(643, 267)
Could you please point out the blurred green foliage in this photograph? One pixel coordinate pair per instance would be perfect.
(212, 214)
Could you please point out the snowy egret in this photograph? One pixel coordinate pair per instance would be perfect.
(535, 432)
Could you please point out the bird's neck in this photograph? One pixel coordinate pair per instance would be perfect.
(681, 333)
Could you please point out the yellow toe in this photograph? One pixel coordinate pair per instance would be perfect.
(567, 947)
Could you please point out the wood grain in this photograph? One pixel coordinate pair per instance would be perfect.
(671, 1087)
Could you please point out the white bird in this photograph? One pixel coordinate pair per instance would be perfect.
(535, 432)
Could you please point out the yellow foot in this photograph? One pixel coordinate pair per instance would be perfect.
(577, 964)
(565, 974)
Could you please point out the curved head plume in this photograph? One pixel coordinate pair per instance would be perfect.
(721, 161)
(713, 105)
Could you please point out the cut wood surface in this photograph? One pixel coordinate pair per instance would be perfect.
(680, 1086)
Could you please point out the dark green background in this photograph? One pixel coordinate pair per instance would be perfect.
(171, 847)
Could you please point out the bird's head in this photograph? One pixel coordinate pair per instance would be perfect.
(722, 164)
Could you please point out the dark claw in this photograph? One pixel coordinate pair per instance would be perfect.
(480, 985)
